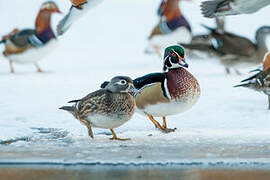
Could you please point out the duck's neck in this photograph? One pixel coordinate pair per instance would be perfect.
(171, 10)
(43, 26)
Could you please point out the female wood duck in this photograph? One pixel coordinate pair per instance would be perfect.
(106, 108)
(261, 80)
(171, 92)
(233, 50)
(77, 10)
(172, 27)
(231, 7)
(30, 46)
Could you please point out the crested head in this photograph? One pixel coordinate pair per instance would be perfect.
(174, 57)
(120, 84)
(50, 6)
(43, 20)
(266, 61)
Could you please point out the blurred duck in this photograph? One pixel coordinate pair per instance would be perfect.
(170, 92)
(172, 28)
(260, 81)
(231, 7)
(31, 45)
(77, 10)
(233, 50)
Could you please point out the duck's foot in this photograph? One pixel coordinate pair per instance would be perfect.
(238, 72)
(116, 138)
(227, 70)
(38, 68)
(163, 128)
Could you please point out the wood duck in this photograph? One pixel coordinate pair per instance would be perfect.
(31, 45)
(260, 81)
(76, 11)
(106, 108)
(233, 50)
(171, 92)
(231, 7)
(172, 27)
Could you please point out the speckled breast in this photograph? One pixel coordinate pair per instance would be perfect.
(182, 85)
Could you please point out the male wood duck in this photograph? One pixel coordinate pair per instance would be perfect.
(31, 45)
(260, 81)
(77, 10)
(231, 7)
(171, 92)
(172, 28)
(233, 50)
(106, 108)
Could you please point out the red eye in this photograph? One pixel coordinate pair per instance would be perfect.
(173, 54)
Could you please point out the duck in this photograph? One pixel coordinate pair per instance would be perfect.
(106, 108)
(76, 11)
(28, 46)
(173, 91)
(261, 80)
(215, 8)
(232, 50)
(172, 27)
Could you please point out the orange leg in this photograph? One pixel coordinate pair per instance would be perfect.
(116, 138)
(11, 66)
(162, 128)
(87, 124)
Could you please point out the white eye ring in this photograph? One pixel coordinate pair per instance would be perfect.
(122, 82)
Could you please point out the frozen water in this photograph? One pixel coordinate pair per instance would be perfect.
(226, 125)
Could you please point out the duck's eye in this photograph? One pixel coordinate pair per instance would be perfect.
(123, 82)
(173, 54)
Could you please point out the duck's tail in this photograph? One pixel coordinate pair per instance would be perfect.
(209, 8)
(71, 109)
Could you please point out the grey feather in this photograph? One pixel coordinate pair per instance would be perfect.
(209, 8)
(61, 29)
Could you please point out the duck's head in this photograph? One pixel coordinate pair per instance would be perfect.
(120, 84)
(50, 7)
(174, 57)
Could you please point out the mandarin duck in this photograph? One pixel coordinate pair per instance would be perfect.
(215, 8)
(260, 81)
(77, 10)
(172, 27)
(233, 50)
(170, 92)
(106, 108)
(31, 45)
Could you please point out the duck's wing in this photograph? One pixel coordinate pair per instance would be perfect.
(215, 8)
(77, 10)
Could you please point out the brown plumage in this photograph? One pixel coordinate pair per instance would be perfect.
(78, 3)
(260, 81)
(106, 108)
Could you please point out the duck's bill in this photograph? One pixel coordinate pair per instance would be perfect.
(183, 63)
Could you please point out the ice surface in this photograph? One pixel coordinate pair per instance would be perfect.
(227, 124)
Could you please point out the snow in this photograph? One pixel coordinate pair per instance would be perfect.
(227, 124)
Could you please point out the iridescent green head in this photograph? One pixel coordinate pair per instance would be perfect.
(174, 57)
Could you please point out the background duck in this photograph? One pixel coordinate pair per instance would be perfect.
(171, 92)
(233, 50)
(106, 108)
(231, 7)
(76, 11)
(31, 45)
(260, 81)
(172, 27)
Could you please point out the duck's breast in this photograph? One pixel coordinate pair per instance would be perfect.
(183, 86)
